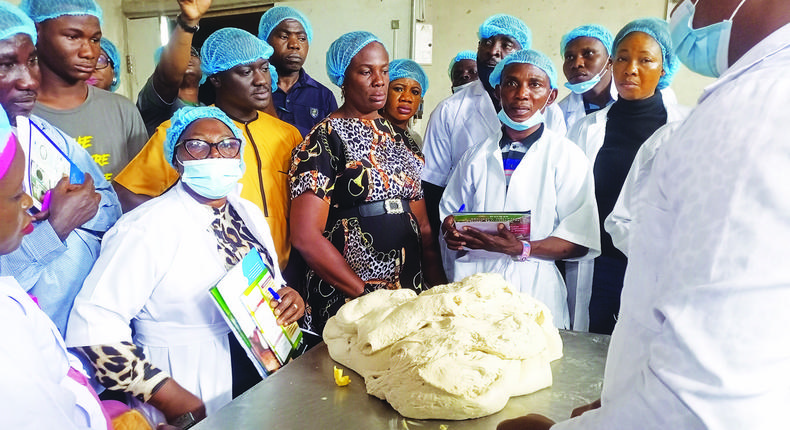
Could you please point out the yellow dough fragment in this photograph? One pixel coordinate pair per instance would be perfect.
(341, 380)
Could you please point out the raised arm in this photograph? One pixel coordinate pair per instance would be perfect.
(175, 56)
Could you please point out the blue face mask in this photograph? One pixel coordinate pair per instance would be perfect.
(212, 178)
(530, 122)
(583, 87)
(703, 50)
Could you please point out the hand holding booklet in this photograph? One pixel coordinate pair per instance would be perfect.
(45, 163)
(488, 222)
(244, 296)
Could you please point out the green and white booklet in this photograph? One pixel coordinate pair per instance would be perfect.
(488, 222)
(244, 295)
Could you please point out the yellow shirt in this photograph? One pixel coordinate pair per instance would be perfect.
(267, 156)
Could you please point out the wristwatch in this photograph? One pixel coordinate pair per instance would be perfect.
(184, 26)
(525, 251)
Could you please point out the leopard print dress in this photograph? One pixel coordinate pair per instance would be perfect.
(348, 162)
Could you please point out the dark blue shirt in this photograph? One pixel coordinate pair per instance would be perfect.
(305, 104)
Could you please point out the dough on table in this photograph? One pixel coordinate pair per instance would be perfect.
(456, 351)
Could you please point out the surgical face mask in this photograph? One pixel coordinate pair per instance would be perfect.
(212, 178)
(704, 50)
(530, 122)
(460, 87)
(583, 87)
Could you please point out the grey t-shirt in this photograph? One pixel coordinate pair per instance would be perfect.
(107, 125)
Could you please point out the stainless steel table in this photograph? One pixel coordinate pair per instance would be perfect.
(303, 395)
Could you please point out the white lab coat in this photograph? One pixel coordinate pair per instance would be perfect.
(701, 342)
(589, 133)
(632, 196)
(554, 181)
(465, 119)
(572, 106)
(37, 392)
(152, 276)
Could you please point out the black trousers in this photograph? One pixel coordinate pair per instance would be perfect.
(606, 288)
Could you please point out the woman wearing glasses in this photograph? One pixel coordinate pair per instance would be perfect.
(145, 309)
(107, 74)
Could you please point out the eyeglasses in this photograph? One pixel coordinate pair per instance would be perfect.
(200, 149)
(103, 62)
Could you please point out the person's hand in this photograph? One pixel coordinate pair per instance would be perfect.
(71, 205)
(504, 242)
(528, 422)
(193, 10)
(289, 308)
(454, 239)
(582, 409)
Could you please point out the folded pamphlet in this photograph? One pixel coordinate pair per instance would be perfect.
(244, 295)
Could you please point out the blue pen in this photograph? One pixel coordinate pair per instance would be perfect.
(274, 294)
(461, 209)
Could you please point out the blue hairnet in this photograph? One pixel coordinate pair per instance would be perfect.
(115, 57)
(158, 56)
(342, 50)
(405, 68)
(228, 47)
(189, 114)
(590, 30)
(13, 21)
(658, 29)
(463, 55)
(274, 16)
(503, 24)
(275, 76)
(42, 10)
(525, 56)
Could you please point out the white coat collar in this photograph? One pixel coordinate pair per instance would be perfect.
(484, 103)
(198, 210)
(774, 43)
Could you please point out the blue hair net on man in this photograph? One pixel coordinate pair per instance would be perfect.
(525, 56)
(342, 50)
(274, 16)
(463, 55)
(405, 68)
(658, 29)
(189, 114)
(115, 58)
(589, 30)
(42, 10)
(507, 25)
(13, 21)
(229, 47)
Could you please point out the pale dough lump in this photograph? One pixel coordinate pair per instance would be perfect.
(456, 351)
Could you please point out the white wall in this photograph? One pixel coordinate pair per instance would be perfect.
(332, 19)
